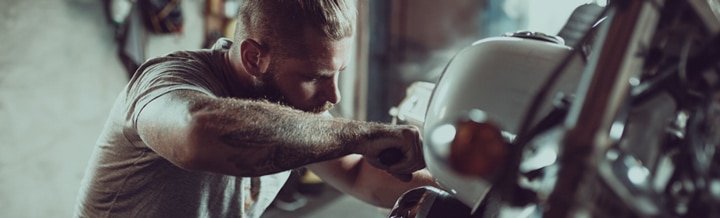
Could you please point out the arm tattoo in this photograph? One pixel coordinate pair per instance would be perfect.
(271, 138)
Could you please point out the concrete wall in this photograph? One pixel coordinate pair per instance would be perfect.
(59, 75)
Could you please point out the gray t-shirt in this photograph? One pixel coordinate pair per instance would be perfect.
(125, 178)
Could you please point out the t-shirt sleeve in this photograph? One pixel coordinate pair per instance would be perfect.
(163, 75)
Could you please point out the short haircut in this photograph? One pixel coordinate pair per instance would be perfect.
(278, 24)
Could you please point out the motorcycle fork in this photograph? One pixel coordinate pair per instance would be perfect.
(603, 90)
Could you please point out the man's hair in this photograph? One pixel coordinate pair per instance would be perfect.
(278, 24)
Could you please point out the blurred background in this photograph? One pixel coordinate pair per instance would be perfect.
(63, 62)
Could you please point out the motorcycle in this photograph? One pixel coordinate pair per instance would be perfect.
(617, 115)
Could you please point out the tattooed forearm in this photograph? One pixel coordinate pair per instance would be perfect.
(288, 146)
(266, 138)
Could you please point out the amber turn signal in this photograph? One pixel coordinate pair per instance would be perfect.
(478, 149)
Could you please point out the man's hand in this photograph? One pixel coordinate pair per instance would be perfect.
(398, 150)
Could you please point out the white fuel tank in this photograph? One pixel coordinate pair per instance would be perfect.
(497, 75)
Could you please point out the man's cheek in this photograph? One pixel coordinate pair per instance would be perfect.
(308, 91)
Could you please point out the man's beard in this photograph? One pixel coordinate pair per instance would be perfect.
(273, 94)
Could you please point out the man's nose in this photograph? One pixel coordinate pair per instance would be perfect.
(332, 93)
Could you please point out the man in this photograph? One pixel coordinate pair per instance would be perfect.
(213, 133)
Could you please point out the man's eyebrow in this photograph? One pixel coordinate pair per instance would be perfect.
(325, 73)
(318, 74)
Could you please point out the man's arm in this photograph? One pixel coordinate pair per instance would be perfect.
(353, 175)
(252, 138)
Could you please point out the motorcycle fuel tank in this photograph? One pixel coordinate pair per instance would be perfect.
(498, 76)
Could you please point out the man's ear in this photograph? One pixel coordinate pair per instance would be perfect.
(254, 57)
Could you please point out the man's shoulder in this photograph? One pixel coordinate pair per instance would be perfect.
(195, 59)
(222, 44)
(206, 68)
(198, 56)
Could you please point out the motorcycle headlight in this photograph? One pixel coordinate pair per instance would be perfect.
(478, 148)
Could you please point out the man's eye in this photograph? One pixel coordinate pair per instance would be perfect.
(316, 77)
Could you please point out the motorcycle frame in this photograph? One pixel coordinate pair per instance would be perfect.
(603, 90)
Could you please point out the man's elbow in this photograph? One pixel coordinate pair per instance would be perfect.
(193, 150)
(188, 157)
(177, 146)
(202, 150)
